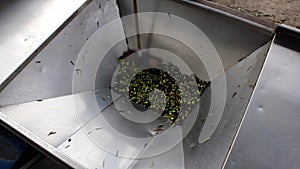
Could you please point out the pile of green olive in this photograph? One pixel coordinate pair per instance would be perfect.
(181, 95)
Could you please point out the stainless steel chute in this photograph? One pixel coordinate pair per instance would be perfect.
(40, 93)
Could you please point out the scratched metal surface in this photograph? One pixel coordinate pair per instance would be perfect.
(233, 38)
(49, 76)
(269, 135)
(25, 25)
(50, 73)
(99, 140)
(241, 79)
(248, 40)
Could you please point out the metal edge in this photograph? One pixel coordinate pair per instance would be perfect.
(227, 12)
(238, 13)
(43, 45)
(288, 37)
(292, 30)
(51, 152)
(243, 118)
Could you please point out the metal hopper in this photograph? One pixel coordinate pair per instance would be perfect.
(58, 95)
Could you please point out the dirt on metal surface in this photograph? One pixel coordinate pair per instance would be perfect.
(276, 11)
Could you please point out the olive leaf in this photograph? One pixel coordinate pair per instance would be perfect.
(181, 96)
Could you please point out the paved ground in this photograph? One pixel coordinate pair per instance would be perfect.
(277, 11)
